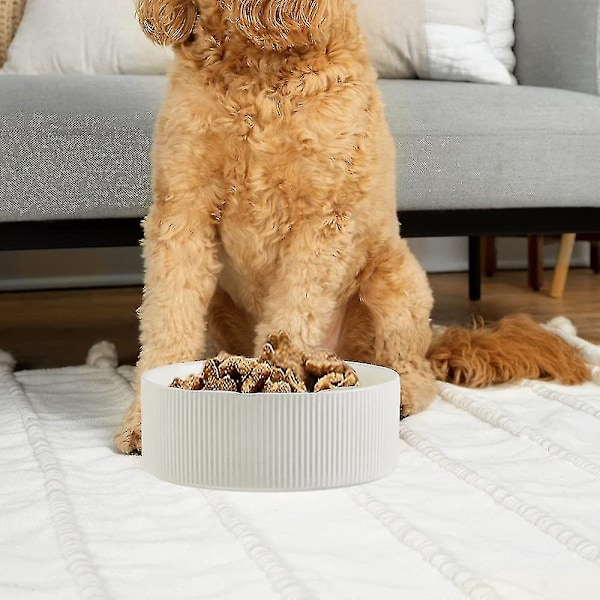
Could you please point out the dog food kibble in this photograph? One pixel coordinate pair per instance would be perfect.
(281, 368)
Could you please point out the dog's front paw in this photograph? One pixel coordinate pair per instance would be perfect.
(129, 439)
(418, 389)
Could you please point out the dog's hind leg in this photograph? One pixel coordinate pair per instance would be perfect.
(514, 348)
(387, 323)
(182, 266)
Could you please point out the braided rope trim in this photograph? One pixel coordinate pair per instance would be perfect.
(68, 535)
(542, 521)
(271, 565)
(496, 418)
(407, 534)
(575, 403)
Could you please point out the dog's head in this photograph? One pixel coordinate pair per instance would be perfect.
(272, 24)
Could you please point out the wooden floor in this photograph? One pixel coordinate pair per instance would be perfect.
(56, 328)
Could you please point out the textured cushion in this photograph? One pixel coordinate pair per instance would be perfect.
(558, 43)
(479, 146)
(439, 39)
(77, 146)
(83, 36)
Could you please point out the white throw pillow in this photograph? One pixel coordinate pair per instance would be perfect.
(500, 31)
(83, 36)
(440, 39)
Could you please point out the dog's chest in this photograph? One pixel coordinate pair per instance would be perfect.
(291, 169)
(286, 145)
(264, 233)
(255, 232)
(280, 167)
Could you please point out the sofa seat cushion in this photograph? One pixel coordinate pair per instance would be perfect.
(76, 146)
(79, 146)
(474, 146)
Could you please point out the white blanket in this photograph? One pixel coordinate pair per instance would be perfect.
(496, 495)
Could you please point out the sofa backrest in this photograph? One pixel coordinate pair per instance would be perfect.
(557, 41)
(558, 44)
(11, 12)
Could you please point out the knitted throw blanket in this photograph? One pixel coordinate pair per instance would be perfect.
(495, 495)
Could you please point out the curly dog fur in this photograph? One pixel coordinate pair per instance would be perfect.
(514, 348)
(274, 195)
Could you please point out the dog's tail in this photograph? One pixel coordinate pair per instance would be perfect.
(514, 348)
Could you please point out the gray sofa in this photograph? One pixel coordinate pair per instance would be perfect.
(473, 159)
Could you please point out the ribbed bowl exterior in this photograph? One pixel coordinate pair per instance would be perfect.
(276, 442)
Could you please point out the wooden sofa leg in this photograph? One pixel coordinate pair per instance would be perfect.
(535, 261)
(474, 267)
(490, 256)
(595, 256)
(561, 270)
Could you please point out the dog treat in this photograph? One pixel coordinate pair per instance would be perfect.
(329, 381)
(193, 382)
(280, 368)
(280, 352)
(255, 380)
(273, 387)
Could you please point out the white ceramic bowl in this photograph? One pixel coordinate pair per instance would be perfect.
(277, 442)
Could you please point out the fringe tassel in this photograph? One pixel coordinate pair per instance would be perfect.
(7, 361)
(103, 355)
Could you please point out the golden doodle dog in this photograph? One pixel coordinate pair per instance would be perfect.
(274, 198)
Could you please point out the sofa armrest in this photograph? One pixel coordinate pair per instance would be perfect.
(558, 44)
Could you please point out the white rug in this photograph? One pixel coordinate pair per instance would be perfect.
(496, 495)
